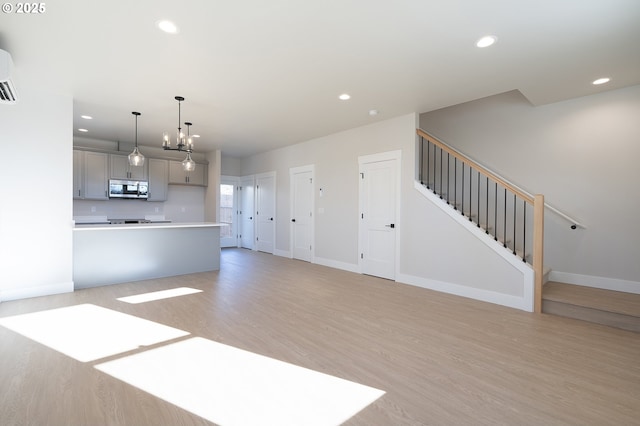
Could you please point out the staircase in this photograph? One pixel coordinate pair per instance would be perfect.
(499, 209)
(606, 307)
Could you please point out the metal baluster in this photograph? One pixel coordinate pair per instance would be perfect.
(428, 161)
(486, 216)
(462, 187)
(504, 225)
(434, 167)
(470, 195)
(448, 177)
(514, 223)
(478, 198)
(441, 173)
(524, 231)
(495, 212)
(421, 159)
(455, 183)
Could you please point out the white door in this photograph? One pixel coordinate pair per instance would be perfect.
(247, 212)
(228, 212)
(379, 187)
(302, 212)
(265, 212)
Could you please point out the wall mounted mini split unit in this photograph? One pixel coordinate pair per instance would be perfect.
(8, 93)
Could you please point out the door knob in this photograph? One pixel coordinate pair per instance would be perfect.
(293, 220)
(391, 225)
(271, 218)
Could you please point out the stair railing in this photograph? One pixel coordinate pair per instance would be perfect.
(514, 218)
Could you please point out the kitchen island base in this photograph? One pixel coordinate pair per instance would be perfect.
(111, 254)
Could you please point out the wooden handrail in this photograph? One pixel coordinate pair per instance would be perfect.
(528, 198)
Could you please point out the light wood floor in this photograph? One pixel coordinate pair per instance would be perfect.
(441, 359)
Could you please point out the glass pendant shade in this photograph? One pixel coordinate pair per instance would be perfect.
(188, 164)
(136, 158)
(166, 141)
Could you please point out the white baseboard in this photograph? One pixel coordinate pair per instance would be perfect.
(596, 282)
(282, 253)
(336, 264)
(44, 290)
(502, 299)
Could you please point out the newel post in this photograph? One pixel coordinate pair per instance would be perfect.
(538, 251)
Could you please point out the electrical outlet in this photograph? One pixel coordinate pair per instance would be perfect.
(93, 209)
(157, 209)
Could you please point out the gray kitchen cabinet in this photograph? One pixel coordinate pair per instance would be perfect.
(120, 168)
(90, 175)
(78, 174)
(178, 176)
(158, 179)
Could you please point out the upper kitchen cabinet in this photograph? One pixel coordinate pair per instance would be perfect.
(90, 175)
(78, 174)
(178, 176)
(158, 179)
(120, 168)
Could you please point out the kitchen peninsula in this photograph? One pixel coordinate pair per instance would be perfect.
(110, 254)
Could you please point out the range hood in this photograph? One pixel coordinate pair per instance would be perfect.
(8, 94)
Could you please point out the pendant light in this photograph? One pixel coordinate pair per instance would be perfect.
(136, 158)
(188, 164)
(184, 143)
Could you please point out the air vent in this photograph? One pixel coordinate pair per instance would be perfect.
(8, 94)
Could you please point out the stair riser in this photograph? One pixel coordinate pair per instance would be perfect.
(611, 319)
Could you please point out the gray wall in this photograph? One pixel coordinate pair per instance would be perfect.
(582, 154)
(35, 201)
(434, 251)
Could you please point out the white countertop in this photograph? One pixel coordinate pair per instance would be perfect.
(104, 227)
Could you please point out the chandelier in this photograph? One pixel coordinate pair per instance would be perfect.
(136, 158)
(184, 143)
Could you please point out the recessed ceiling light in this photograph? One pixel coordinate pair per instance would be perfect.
(167, 26)
(344, 97)
(601, 81)
(486, 41)
(83, 130)
(373, 112)
(195, 136)
(86, 117)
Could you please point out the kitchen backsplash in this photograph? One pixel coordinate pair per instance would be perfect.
(184, 204)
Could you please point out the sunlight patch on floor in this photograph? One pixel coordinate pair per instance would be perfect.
(159, 295)
(89, 332)
(231, 386)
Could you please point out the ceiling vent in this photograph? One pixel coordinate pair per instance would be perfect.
(8, 93)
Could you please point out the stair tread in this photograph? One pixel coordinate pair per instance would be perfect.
(594, 298)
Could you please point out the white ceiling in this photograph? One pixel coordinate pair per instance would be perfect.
(261, 74)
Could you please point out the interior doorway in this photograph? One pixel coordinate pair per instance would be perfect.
(379, 212)
(302, 220)
(228, 211)
(265, 212)
(247, 212)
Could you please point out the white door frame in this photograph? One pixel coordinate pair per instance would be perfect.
(235, 226)
(257, 207)
(293, 171)
(374, 158)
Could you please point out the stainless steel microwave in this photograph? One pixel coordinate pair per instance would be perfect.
(119, 188)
